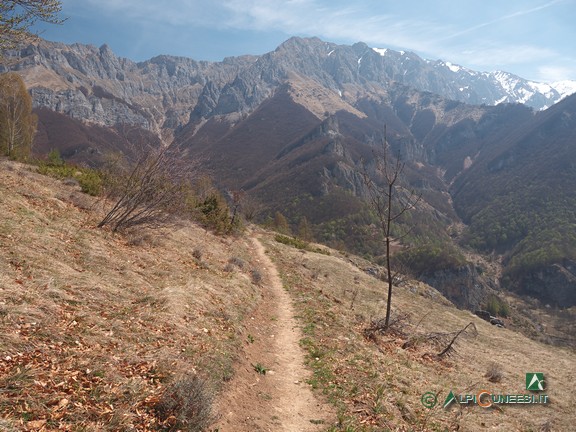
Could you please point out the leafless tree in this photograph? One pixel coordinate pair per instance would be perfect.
(389, 201)
(237, 197)
(153, 191)
(251, 207)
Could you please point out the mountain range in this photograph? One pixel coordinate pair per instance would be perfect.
(491, 153)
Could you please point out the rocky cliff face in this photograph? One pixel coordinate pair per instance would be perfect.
(92, 84)
(554, 285)
(464, 286)
(165, 93)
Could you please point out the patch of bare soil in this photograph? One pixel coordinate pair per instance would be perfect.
(269, 390)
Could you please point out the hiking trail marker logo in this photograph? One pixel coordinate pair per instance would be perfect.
(535, 381)
(484, 398)
(449, 399)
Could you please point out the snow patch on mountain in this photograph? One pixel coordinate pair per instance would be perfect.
(565, 88)
(524, 91)
(453, 67)
(474, 87)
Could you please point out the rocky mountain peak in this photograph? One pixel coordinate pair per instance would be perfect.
(166, 92)
(299, 45)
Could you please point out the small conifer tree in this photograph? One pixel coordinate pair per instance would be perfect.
(281, 224)
(305, 230)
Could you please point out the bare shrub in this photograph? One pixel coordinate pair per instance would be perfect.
(71, 181)
(233, 263)
(138, 239)
(152, 192)
(494, 373)
(546, 426)
(77, 199)
(238, 262)
(250, 207)
(186, 405)
(256, 276)
(197, 253)
(395, 326)
(468, 330)
(142, 238)
(441, 340)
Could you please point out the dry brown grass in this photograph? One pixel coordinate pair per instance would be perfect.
(378, 386)
(93, 326)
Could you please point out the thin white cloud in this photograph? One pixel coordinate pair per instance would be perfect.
(501, 56)
(353, 23)
(503, 18)
(310, 17)
(303, 17)
(314, 18)
(378, 23)
(554, 73)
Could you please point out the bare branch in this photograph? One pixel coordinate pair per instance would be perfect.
(153, 192)
(449, 349)
(18, 16)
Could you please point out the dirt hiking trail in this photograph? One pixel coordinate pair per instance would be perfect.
(279, 400)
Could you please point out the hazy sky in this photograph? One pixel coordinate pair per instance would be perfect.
(534, 39)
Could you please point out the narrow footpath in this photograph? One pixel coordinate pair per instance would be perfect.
(279, 400)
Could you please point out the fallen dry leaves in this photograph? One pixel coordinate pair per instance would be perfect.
(49, 388)
(92, 328)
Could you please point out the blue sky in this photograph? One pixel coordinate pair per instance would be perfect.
(531, 38)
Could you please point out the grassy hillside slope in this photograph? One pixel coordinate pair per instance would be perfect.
(97, 330)
(377, 385)
(94, 328)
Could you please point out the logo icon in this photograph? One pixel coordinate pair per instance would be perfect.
(429, 400)
(535, 381)
(449, 399)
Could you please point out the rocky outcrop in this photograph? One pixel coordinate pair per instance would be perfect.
(554, 285)
(94, 85)
(96, 106)
(463, 286)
